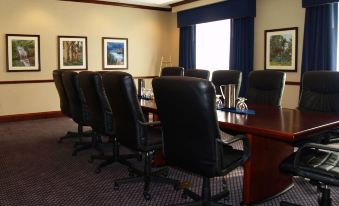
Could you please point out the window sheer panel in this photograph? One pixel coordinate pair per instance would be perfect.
(213, 45)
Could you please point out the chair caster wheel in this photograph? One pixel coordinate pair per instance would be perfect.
(116, 186)
(130, 174)
(74, 153)
(139, 158)
(90, 160)
(147, 196)
(184, 195)
(98, 170)
(165, 173)
(60, 141)
(176, 186)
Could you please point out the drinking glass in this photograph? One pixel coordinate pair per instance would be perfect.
(219, 104)
(241, 105)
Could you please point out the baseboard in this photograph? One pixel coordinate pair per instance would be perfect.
(30, 116)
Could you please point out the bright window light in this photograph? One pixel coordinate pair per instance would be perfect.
(213, 45)
(338, 44)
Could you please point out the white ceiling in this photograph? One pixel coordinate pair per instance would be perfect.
(155, 3)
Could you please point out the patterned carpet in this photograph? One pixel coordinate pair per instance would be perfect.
(36, 170)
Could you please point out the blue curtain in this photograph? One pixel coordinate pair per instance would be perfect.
(241, 51)
(187, 47)
(320, 38)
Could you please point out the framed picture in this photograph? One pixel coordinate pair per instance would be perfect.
(23, 52)
(281, 48)
(115, 53)
(72, 52)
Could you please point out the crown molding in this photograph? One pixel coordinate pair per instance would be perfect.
(121, 4)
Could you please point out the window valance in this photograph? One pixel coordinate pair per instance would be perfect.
(312, 3)
(228, 9)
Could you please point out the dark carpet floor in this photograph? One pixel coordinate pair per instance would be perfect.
(36, 170)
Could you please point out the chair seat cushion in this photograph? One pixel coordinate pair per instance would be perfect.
(317, 165)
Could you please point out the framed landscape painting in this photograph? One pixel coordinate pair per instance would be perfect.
(23, 52)
(115, 53)
(72, 52)
(281, 47)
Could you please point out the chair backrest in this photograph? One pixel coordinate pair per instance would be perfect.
(186, 107)
(198, 73)
(224, 77)
(265, 87)
(172, 71)
(320, 92)
(75, 96)
(99, 109)
(64, 104)
(127, 113)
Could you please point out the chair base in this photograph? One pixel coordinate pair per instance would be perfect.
(95, 143)
(147, 177)
(284, 203)
(76, 135)
(205, 198)
(110, 159)
(324, 200)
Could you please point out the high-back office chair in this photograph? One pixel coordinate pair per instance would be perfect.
(172, 71)
(317, 162)
(64, 104)
(224, 77)
(320, 93)
(265, 87)
(132, 130)
(198, 73)
(196, 128)
(100, 115)
(78, 107)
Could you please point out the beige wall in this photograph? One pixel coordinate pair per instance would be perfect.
(275, 14)
(150, 34)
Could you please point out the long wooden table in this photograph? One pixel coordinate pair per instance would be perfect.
(270, 132)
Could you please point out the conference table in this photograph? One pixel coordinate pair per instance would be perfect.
(271, 132)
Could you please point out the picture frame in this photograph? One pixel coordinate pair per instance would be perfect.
(114, 53)
(72, 52)
(23, 53)
(281, 49)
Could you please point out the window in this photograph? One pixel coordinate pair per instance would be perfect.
(338, 43)
(213, 45)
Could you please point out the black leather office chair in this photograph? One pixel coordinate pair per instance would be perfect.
(224, 77)
(320, 93)
(172, 71)
(198, 73)
(192, 142)
(318, 163)
(78, 108)
(100, 116)
(65, 107)
(265, 87)
(132, 130)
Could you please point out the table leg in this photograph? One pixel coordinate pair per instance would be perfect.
(262, 176)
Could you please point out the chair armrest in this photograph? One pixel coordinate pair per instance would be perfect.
(246, 145)
(311, 145)
(230, 139)
(334, 131)
(150, 124)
